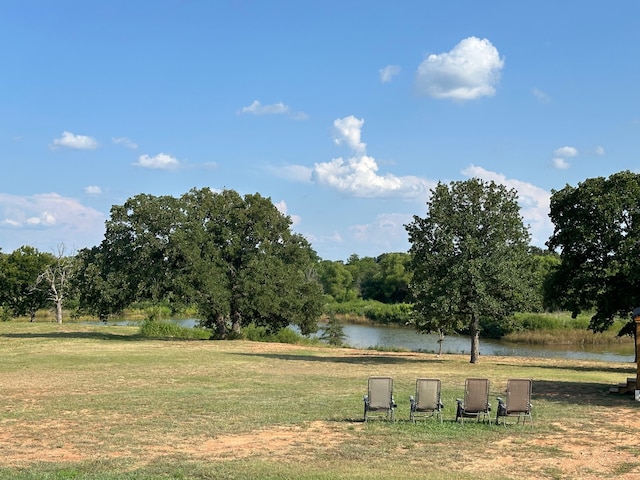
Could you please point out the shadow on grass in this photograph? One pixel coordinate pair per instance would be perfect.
(356, 359)
(601, 367)
(80, 335)
(579, 393)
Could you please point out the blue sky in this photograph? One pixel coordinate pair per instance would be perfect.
(345, 113)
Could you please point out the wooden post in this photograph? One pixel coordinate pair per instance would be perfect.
(636, 319)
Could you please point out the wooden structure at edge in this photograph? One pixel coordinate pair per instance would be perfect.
(631, 385)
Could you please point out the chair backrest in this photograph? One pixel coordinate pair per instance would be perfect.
(476, 395)
(518, 395)
(427, 393)
(380, 392)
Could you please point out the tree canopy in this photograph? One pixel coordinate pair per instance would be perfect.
(469, 258)
(597, 233)
(19, 288)
(234, 257)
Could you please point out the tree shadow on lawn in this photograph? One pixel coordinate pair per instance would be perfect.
(356, 359)
(629, 371)
(579, 393)
(81, 335)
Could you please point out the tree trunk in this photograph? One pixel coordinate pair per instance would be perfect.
(59, 311)
(474, 330)
(440, 341)
(221, 327)
(236, 324)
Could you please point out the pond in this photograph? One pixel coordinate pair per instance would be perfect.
(373, 336)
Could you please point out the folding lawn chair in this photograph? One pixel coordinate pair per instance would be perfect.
(379, 398)
(426, 402)
(476, 400)
(517, 402)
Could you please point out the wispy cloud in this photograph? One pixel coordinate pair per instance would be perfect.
(387, 73)
(257, 108)
(534, 201)
(93, 190)
(540, 95)
(125, 142)
(384, 232)
(471, 70)
(78, 142)
(65, 219)
(162, 161)
(295, 173)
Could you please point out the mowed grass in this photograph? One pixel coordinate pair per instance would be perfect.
(97, 402)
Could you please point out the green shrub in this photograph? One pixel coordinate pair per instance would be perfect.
(162, 329)
(374, 311)
(333, 332)
(256, 333)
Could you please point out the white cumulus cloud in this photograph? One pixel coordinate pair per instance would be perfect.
(560, 163)
(471, 70)
(561, 154)
(358, 175)
(566, 152)
(162, 161)
(348, 130)
(78, 142)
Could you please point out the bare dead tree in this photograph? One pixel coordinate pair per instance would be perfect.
(56, 277)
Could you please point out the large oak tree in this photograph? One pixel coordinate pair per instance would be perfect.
(597, 233)
(234, 257)
(469, 258)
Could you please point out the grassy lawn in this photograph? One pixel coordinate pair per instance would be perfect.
(96, 402)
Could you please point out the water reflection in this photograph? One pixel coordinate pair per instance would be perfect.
(365, 336)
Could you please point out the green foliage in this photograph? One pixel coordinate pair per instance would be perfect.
(233, 257)
(256, 333)
(154, 328)
(337, 281)
(333, 332)
(158, 312)
(372, 310)
(469, 259)
(597, 232)
(385, 278)
(20, 291)
(545, 321)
